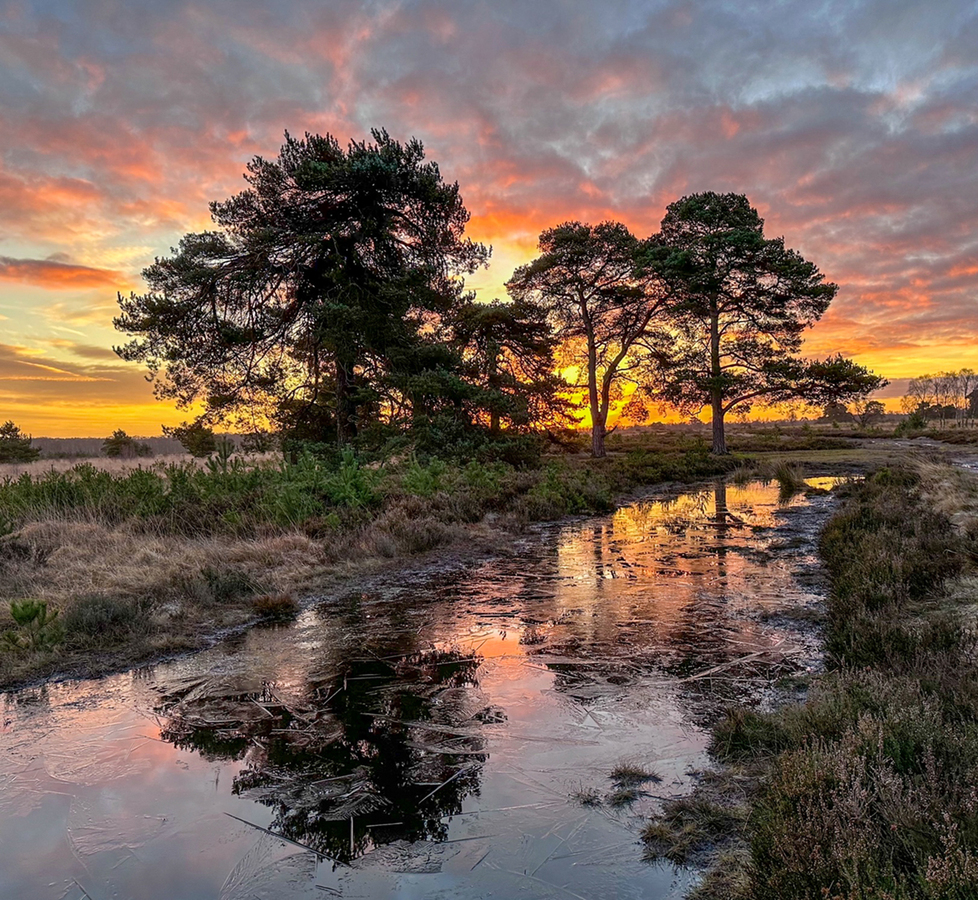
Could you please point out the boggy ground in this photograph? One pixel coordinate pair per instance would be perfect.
(867, 790)
(150, 562)
(142, 563)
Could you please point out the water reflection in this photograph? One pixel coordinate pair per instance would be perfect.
(385, 752)
(421, 735)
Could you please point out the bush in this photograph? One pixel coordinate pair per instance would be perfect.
(100, 620)
(196, 438)
(866, 790)
(37, 629)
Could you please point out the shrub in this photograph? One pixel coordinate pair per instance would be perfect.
(36, 629)
(101, 620)
(195, 437)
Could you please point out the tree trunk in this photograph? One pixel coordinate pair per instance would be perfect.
(493, 381)
(346, 426)
(598, 429)
(716, 388)
(719, 438)
(598, 419)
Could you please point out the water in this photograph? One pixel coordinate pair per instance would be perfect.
(428, 735)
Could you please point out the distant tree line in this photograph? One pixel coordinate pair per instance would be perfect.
(943, 398)
(329, 305)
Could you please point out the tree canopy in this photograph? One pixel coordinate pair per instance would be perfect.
(318, 296)
(741, 303)
(328, 305)
(602, 301)
(15, 446)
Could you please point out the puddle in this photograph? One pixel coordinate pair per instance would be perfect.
(426, 736)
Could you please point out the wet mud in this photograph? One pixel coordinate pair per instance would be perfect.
(455, 732)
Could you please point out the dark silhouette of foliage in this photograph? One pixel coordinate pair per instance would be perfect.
(603, 303)
(195, 437)
(742, 303)
(121, 446)
(329, 275)
(15, 446)
(508, 349)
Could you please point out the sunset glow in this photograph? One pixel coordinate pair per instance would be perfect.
(852, 127)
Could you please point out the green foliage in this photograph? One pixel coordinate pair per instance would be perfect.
(424, 481)
(121, 446)
(37, 629)
(914, 422)
(221, 461)
(16, 446)
(741, 303)
(196, 438)
(338, 271)
(184, 499)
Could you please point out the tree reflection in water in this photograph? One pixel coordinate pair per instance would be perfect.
(389, 752)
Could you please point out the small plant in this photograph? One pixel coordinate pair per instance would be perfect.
(101, 620)
(275, 607)
(220, 463)
(790, 481)
(622, 796)
(743, 475)
(36, 628)
(424, 481)
(627, 774)
(586, 797)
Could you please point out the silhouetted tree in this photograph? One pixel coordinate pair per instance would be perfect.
(196, 438)
(603, 303)
(121, 446)
(328, 273)
(866, 412)
(508, 349)
(15, 446)
(742, 303)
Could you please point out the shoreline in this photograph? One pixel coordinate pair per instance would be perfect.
(769, 821)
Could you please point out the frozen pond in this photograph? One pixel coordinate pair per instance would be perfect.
(428, 735)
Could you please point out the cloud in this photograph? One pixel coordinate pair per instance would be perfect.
(85, 351)
(850, 125)
(56, 275)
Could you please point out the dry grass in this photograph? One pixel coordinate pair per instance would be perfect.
(115, 466)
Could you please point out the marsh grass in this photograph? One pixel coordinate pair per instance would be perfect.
(790, 480)
(587, 797)
(187, 548)
(693, 828)
(630, 773)
(868, 788)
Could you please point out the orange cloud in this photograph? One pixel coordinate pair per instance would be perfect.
(55, 275)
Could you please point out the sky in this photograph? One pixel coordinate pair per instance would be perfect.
(851, 126)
